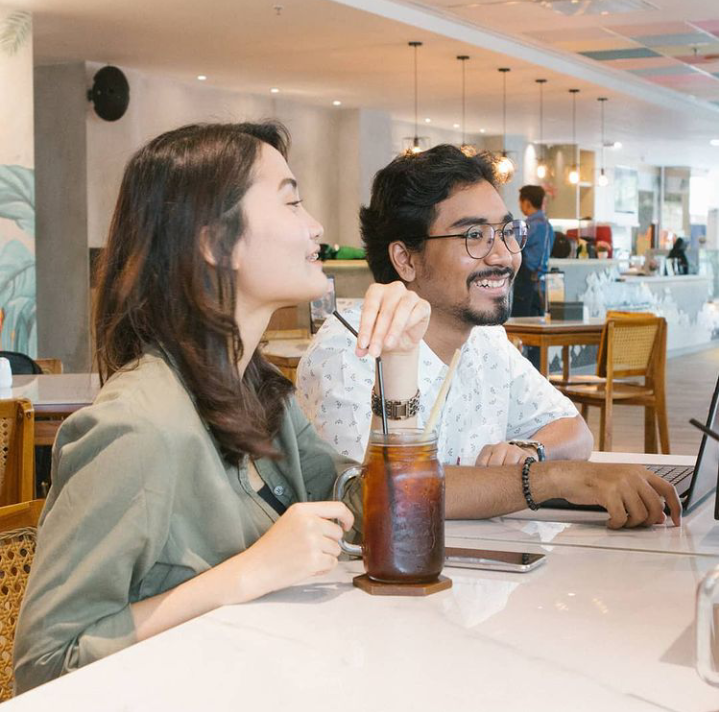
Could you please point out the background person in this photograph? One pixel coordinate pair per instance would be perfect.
(529, 285)
(679, 256)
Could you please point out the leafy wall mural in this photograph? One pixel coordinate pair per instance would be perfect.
(15, 32)
(17, 207)
(17, 263)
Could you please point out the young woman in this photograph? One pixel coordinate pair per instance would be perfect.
(194, 480)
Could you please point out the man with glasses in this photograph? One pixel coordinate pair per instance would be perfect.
(437, 223)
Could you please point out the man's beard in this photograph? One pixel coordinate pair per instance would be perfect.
(502, 305)
(498, 315)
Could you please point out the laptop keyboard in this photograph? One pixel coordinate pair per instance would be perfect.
(671, 473)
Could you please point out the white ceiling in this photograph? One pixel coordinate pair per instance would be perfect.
(320, 50)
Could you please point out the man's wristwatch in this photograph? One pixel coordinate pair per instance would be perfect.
(535, 444)
(396, 409)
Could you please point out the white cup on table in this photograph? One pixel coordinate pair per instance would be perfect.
(5, 374)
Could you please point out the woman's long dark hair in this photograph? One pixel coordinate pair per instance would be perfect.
(181, 198)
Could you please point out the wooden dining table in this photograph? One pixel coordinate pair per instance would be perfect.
(543, 332)
(54, 397)
(285, 354)
(538, 331)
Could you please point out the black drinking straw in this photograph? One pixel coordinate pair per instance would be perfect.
(380, 377)
(711, 433)
(385, 429)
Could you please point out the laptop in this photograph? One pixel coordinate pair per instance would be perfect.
(693, 484)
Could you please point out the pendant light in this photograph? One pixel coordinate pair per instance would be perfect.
(466, 148)
(504, 166)
(602, 180)
(574, 172)
(415, 144)
(542, 168)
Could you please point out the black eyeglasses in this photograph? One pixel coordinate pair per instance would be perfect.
(479, 239)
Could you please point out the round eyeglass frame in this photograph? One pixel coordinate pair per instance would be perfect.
(490, 240)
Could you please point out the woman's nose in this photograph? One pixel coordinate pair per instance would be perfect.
(316, 229)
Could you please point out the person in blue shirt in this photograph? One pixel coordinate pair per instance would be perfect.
(528, 284)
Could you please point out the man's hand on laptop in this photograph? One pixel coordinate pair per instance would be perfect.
(632, 495)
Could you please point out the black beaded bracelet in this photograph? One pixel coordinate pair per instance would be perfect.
(525, 483)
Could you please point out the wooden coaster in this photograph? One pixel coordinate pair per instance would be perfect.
(377, 588)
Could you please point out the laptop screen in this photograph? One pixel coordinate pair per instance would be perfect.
(705, 480)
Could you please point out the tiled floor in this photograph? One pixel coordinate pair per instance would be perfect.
(690, 384)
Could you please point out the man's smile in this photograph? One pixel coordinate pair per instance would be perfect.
(492, 283)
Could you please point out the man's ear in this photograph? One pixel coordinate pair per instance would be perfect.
(403, 260)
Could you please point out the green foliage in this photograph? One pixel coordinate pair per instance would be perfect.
(17, 296)
(15, 32)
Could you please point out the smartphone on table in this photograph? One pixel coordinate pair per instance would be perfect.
(511, 561)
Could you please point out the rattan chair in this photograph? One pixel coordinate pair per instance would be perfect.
(631, 347)
(18, 532)
(17, 457)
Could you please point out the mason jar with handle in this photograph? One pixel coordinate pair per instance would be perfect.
(707, 629)
(403, 507)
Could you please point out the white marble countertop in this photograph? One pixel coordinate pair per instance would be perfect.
(698, 534)
(605, 624)
(660, 279)
(589, 630)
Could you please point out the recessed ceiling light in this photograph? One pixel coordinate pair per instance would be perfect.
(714, 142)
(482, 130)
(617, 145)
(274, 90)
(428, 121)
(336, 102)
(201, 77)
(456, 126)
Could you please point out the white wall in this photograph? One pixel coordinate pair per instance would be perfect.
(365, 146)
(158, 104)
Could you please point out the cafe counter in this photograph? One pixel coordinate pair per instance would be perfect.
(684, 301)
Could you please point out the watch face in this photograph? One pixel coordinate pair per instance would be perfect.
(530, 443)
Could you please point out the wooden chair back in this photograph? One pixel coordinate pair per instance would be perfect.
(631, 346)
(50, 366)
(278, 334)
(17, 456)
(18, 534)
